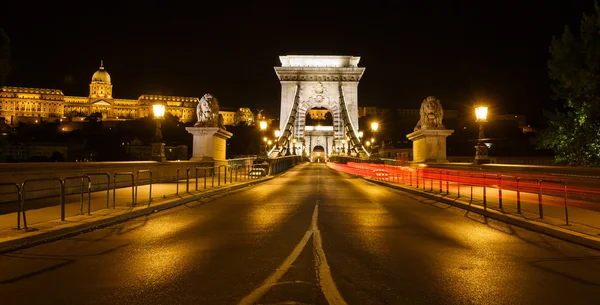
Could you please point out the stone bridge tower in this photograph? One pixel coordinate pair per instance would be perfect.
(329, 82)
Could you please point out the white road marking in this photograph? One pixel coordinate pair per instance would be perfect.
(330, 290)
(328, 287)
(255, 295)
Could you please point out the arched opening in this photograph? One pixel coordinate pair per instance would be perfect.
(318, 154)
(319, 116)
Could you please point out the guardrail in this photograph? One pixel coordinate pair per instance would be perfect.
(20, 208)
(115, 187)
(236, 173)
(107, 184)
(64, 182)
(426, 177)
(137, 183)
(62, 192)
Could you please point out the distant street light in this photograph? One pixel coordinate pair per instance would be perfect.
(262, 125)
(277, 133)
(374, 126)
(158, 147)
(374, 129)
(481, 150)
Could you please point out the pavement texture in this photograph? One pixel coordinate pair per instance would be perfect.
(583, 227)
(310, 236)
(43, 214)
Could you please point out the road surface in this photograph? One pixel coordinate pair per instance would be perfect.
(310, 236)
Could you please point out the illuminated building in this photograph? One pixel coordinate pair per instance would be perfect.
(36, 104)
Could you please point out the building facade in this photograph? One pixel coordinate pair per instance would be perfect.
(20, 102)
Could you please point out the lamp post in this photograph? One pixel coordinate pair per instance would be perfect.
(481, 150)
(158, 147)
(263, 151)
(374, 129)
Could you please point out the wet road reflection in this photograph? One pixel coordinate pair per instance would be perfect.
(381, 247)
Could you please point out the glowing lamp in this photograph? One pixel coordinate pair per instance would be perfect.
(263, 125)
(360, 134)
(265, 139)
(294, 141)
(277, 133)
(269, 142)
(481, 113)
(159, 111)
(368, 143)
(374, 126)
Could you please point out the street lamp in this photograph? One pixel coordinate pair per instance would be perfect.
(294, 144)
(374, 126)
(158, 147)
(262, 125)
(374, 129)
(481, 150)
(277, 133)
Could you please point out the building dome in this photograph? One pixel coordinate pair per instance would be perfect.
(101, 76)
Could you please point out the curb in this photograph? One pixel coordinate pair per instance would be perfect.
(54, 235)
(550, 230)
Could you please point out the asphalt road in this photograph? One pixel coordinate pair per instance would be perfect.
(310, 236)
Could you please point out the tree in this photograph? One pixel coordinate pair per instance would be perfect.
(71, 114)
(4, 57)
(573, 132)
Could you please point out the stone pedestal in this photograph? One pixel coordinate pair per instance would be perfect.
(481, 154)
(158, 152)
(209, 143)
(429, 145)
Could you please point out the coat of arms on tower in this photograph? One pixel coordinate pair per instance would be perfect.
(314, 94)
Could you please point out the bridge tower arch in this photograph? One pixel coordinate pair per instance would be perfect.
(329, 82)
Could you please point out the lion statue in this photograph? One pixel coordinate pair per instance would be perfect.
(431, 114)
(207, 111)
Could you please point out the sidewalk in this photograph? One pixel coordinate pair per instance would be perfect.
(43, 215)
(583, 227)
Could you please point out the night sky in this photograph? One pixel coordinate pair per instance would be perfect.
(459, 51)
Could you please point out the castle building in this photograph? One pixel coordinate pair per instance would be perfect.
(40, 103)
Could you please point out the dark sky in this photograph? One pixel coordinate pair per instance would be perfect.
(457, 50)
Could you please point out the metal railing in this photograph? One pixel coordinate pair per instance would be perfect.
(540, 195)
(89, 191)
(236, 172)
(425, 177)
(20, 208)
(137, 183)
(62, 193)
(107, 184)
(115, 187)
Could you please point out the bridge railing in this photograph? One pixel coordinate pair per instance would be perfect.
(490, 190)
(169, 180)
